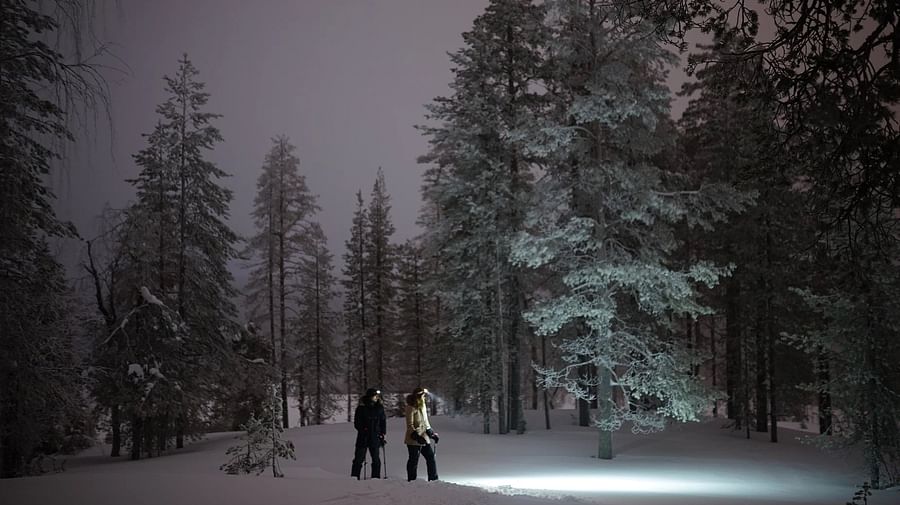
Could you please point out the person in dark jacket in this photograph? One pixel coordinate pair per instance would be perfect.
(371, 426)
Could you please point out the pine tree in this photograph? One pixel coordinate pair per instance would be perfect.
(356, 300)
(41, 89)
(479, 187)
(851, 328)
(835, 89)
(605, 220)
(379, 284)
(318, 356)
(282, 209)
(413, 326)
(41, 397)
(729, 136)
(263, 444)
(178, 246)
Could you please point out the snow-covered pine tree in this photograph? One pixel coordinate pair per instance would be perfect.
(318, 359)
(263, 445)
(356, 299)
(281, 211)
(149, 358)
(379, 262)
(41, 90)
(479, 187)
(604, 222)
(181, 244)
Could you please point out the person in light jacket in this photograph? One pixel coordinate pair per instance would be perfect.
(420, 438)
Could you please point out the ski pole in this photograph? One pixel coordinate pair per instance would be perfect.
(384, 459)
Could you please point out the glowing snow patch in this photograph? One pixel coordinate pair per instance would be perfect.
(612, 483)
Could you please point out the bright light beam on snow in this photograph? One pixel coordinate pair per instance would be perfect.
(618, 483)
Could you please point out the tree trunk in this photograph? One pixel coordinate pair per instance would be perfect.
(604, 412)
(116, 426)
(823, 377)
(150, 430)
(486, 407)
(319, 378)
(714, 357)
(349, 379)
(364, 357)
(137, 436)
(181, 421)
(546, 394)
(770, 338)
(762, 399)
(773, 418)
(516, 409)
(534, 386)
(162, 433)
(282, 275)
(733, 350)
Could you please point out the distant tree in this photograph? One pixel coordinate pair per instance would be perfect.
(729, 136)
(379, 262)
(414, 323)
(318, 354)
(282, 211)
(356, 299)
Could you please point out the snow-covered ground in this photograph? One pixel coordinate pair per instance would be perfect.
(693, 464)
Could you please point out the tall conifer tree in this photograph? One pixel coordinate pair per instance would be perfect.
(183, 246)
(282, 211)
(479, 186)
(604, 223)
(318, 356)
(356, 299)
(379, 264)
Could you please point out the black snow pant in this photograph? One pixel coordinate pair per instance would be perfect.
(360, 456)
(412, 464)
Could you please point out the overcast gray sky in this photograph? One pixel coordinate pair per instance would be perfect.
(346, 80)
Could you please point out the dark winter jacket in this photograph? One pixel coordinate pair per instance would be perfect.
(370, 422)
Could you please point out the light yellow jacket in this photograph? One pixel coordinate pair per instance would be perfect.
(416, 421)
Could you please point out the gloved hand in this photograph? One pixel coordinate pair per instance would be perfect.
(419, 438)
(434, 436)
(383, 441)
